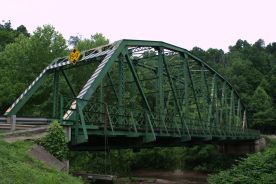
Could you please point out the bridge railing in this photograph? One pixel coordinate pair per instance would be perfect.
(126, 118)
(121, 118)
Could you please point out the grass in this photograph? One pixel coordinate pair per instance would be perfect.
(17, 167)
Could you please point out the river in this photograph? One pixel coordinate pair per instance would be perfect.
(164, 177)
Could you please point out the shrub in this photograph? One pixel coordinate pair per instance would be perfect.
(55, 141)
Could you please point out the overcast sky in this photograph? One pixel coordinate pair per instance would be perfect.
(186, 23)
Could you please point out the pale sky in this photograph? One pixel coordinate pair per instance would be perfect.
(185, 23)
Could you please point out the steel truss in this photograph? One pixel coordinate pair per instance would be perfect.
(145, 93)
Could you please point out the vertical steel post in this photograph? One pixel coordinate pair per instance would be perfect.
(186, 93)
(160, 96)
(211, 104)
(206, 100)
(102, 109)
(244, 121)
(238, 118)
(231, 109)
(223, 107)
(216, 117)
(226, 107)
(121, 89)
(205, 93)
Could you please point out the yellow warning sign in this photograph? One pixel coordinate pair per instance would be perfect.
(74, 56)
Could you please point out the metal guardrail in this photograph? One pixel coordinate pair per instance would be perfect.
(27, 120)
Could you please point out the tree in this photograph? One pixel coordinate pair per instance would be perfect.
(263, 113)
(8, 34)
(241, 45)
(215, 55)
(199, 53)
(95, 40)
(243, 80)
(260, 44)
(261, 101)
(23, 60)
(271, 48)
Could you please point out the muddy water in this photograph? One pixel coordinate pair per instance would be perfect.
(165, 177)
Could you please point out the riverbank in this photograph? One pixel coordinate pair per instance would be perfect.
(17, 166)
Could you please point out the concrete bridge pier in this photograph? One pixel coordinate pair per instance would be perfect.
(237, 148)
(67, 131)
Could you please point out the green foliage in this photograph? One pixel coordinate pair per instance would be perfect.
(55, 141)
(261, 101)
(21, 62)
(8, 34)
(95, 40)
(263, 112)
(17, 167)
(255, 169)
(271, 78)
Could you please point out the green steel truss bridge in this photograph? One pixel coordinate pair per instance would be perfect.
(143, 94)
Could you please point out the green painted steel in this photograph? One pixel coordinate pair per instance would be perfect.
(145, 93)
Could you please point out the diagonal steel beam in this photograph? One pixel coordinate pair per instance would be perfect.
(68, 83)
(112, 85)
(192, 85)
(135, 76)
(173, 92)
